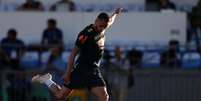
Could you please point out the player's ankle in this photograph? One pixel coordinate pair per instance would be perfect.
(49, 82)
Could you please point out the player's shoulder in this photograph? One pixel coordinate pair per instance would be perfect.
(88, 29)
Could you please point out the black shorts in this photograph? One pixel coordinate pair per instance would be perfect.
(85, 79)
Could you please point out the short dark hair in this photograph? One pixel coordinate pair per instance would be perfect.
(52, 21)
(103, 16)
(12, 31)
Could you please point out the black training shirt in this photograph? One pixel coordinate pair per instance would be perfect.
(91, 45)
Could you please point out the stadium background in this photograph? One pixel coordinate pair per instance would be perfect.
(133, 65)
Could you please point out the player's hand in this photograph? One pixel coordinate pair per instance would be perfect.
(66, 78)
(118, 10)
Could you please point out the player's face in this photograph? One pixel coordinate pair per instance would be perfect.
(100, 25)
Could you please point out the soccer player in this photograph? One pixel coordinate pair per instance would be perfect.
(84, 73)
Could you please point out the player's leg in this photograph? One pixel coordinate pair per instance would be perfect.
(60, 92)
(57, 90)
(97, 85)
(100, 93)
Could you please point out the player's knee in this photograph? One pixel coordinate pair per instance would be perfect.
(60, 96)
(104, 97)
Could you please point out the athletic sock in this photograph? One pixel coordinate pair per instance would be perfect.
(49, 82)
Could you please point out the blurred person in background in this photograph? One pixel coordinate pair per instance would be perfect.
(13, 47)
(63, 5)
(134, 57)
(4, 60)
(52, 35)
(55, 62)
(118, 76)
(194, 31)
(31, 5)
(85, 73)
(197, 7)
(55, 65)
(166, 4)
(169, 58)
(158, 5)
(106, 64)
(18, 87)
(106, 61)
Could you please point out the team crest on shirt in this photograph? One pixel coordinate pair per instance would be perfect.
(82, 38)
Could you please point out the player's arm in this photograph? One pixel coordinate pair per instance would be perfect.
(70, 64)
(78, 44)
(113, 16)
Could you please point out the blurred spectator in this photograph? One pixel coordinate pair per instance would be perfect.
(31, 5)
(55, 60)
(13, 47)
(194, 33)
(19, 88)
(118, 55)
(198, 7)
(106, 64)
(56, 65)
(166, 4)
(4, 60)
(119, 76)
(52, 35)
(55, 53)
(107, 57)
(196, 15)
(157, 5)
(152, 5)
(170, 58)
(134, 57)
(64, 5)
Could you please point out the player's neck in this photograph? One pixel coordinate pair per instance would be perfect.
(95, 28)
